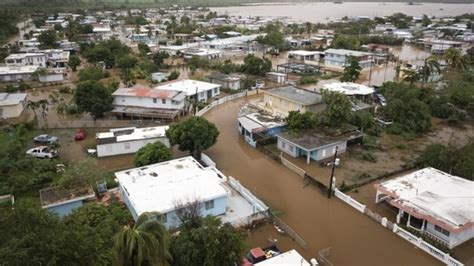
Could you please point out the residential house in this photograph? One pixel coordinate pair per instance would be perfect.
(168, 187)
(340, 58)
(26, 59)
(63, 201)
(277, 77)
(208, 54)
(142, 101)
(432, 202)
(282, 100)
(360, 95)
(193, 89)
(317, 144)
(226, 81)
(12, 104)
(303, 55)
(288, 258)
(17, 74)
(129, 140)
(255, 124)
(158, 76)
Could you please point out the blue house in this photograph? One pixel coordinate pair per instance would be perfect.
(254, 124)
(316, 144)
(62, 201)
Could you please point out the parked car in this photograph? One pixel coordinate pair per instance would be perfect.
(80, 134)
(42, 152)
(45, 139)
(381, 99)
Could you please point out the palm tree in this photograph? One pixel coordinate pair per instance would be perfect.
(33, 105)
(456, 60)
(147, 242)
(410, 75)
(431, 66)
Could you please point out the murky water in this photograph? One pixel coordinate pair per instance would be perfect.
(353, 237)
(324, 12)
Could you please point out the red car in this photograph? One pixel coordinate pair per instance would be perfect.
(80, 134)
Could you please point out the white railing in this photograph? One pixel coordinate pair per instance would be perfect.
(256, 203)
(221, 101)
(347, 199)
(427, 247)
(417, 241)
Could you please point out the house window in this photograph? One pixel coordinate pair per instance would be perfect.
(163, 101)
(283, 145)
(154, 100)
(163, 218)
(208, 205)
(441, 230)
(291, 148)
(216, 90)
(324, 153)
(126, 145)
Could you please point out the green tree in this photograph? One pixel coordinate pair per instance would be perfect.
(152, 153)
(430, 67)
(297, 121)
(94, 98)
(74, 62)
(210, 243)
(143, 48)
(127, 61)
(91, 73)
(352, 70)
(456, 60)
(346, 42)
(194, 134)
(146, 243)
(47, 39)
(461, 94)
(363, 120)
(81, 175)
(256, 66)
(159, 58)
(411, 76)
(338, 108)
(173, 75)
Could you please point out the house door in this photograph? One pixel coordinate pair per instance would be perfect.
(209, 94)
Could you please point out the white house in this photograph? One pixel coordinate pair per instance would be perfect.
(303, 55)
(142, 101)
(340, 57)
(277, 77)
(168, 186)
(128, 140)
(158, 76)
(26, 59)
(15, 74)
(12, 104)
(435, 203)
(202, 53)
(226, 81)
(193, 88)
(288, 258)
(56, 58)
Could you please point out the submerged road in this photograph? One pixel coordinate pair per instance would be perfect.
(353, 237)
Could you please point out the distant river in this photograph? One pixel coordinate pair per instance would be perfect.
(326, 11)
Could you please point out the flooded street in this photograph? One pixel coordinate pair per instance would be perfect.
(324, 12)
(354, 238)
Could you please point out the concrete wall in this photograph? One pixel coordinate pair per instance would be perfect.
(203, 96)
(288, 148)
(12, 111)
(147, 102)
(126, 147)
(65, 209)
(454, 239)
(51, 78)
(233, 85)
(340, 60)
(247, 135)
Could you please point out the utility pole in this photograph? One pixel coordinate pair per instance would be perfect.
(332, 173)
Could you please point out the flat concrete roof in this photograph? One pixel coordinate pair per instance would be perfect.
(129, 134)
(311, 139)
(296, 94)
(349, 88)
(189, 86)
(51, 197)
(160, 187)
(346, 52)
(288, 258)
(434, 193)
(18, 70)
(7, 99)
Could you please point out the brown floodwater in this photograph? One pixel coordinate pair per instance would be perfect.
(327, 11)
(354, 238)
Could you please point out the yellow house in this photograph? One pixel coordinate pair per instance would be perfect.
(282, 100)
